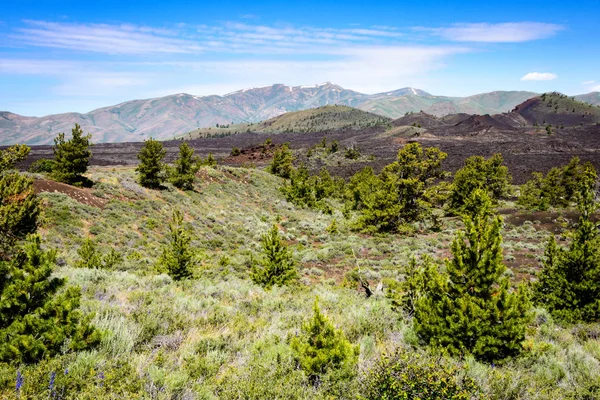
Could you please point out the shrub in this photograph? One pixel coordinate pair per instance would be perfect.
(185, 167)
(71, 156)
(43, 165)
(320, 348)
(235, 152)
(479, 173)
(569, 284)
(90, 257)
(411, 376)
(151, 168)
(469, 308)
(39, 324)
(178, 258)
(12, 155)
(277, 266)
(352, 152)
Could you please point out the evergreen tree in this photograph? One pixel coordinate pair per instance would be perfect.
(19, 210)
(178, 258)
(569, 284)
(186, 166)
(91, 257)
(210, 160)
(19, 206)
(36, 321)
(277, 266)
(321, 348)
(479, 173)
(151, 168)
(71, 156)
(281, 165)
(399, 195)
(469, 308)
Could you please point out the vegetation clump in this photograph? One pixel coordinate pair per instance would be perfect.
(281, 165)
(569, 284)
(321, 348)
(479, 173)
(71, 157)
(277, 266)
(178, 258)
(469, 307)
(399, 195)
(151, 169)
(558, 188)
(185, 167)
(91, 257)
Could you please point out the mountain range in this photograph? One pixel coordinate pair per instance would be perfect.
(169, 116)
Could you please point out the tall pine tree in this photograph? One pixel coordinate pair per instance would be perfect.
(469, 308)
(569, 284)
(277, 266)
(71, 156)
(151, 168)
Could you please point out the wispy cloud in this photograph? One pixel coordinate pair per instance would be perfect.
(539, 76)
(510, 32)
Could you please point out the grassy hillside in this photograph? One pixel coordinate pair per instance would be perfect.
(312, 120)
(558, 110)
(221, 336)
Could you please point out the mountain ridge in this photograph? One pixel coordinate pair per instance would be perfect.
(172, 115)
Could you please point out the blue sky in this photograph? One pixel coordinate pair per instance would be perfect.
(59, 56)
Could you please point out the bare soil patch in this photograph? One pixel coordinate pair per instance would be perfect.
(82, 195)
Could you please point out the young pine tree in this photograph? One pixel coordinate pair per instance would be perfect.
(569, 284)
(35, 320)
(151, 168)
(185, 168)
(321, 348)
(469, 308)
(277, 266)
(281, 165)
(71, 156)
(178, 258)
(19, 206)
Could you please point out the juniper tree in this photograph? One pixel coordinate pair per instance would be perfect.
(151, 168)
(569, 284)
(277, 266)
(321, 348)
(469, 308)
(281, 165)
(479, 173)
(71, 156)
(178, 257)
(36, 320)
(185, 167)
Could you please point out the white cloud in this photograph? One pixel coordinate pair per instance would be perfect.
(539, 76)
(511, 32)
(588, 82)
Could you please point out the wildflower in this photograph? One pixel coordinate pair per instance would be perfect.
(19, 382)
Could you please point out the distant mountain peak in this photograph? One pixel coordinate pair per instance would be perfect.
(407, 91)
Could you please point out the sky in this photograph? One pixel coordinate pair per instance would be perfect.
(76, 56)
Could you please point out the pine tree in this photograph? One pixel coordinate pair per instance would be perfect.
(89, 256)
(322, 348)
(479, 173)
(151, 168)
(185, 168)
(71, 156)
(19, 210)
(19, 206)
(35, 320)
(281, 165)
(178, 258)
(469, 308)
(277, 266)
(569, 284)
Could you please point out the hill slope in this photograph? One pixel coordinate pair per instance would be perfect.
(319, 119)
